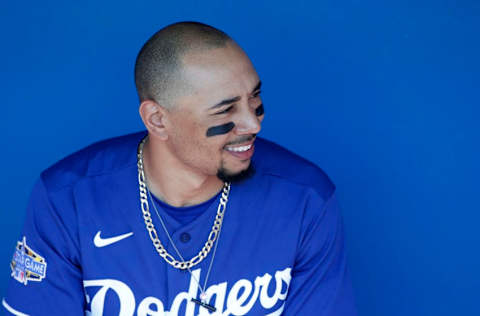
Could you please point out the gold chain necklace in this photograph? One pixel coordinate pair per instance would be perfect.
(217, 224)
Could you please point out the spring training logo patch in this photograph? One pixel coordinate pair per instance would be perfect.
(27, 265)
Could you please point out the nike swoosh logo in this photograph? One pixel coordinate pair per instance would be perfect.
(102, 242)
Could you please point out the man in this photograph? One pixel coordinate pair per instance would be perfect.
(183, 219)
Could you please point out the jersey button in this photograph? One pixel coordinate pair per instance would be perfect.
(185, 237)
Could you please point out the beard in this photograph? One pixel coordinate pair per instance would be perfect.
(226, 176)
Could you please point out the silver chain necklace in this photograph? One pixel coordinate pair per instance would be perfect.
(212, 238)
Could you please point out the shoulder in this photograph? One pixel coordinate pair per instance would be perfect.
(102, 157)
(271, 159)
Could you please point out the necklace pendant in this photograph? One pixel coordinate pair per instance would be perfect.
(205, 305)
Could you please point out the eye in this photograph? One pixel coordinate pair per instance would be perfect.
(225, 111)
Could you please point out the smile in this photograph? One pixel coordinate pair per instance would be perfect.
(239, 148)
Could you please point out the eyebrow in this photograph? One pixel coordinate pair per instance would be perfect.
(235, 99)
(257, 87)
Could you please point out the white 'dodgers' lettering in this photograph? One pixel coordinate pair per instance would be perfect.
(125, 295)
(240, 300)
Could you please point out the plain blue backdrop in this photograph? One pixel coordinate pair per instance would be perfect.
(383, 95)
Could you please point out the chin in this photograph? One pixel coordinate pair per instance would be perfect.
(229, 176)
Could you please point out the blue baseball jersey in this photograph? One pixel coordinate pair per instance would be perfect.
(85, 250)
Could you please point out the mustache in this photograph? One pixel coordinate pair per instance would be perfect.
(242, 139)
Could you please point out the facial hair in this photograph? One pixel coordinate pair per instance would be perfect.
(226, 176)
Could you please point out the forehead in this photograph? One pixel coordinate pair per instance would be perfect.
(219, 73)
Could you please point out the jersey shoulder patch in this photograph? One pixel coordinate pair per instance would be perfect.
(27, 265)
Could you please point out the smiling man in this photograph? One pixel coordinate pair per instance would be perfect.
(195, 216)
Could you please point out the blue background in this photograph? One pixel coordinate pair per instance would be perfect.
(383, 95)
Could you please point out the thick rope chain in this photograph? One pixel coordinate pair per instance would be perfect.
(153, 232)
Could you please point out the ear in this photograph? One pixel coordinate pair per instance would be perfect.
(154, 118)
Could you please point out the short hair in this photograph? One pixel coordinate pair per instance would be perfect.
(158, 64)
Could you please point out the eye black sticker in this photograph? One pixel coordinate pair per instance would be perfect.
(220, 129)
(259, 111)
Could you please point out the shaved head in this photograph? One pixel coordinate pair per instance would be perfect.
(158, 68)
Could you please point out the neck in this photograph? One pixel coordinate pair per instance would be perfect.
(173, 182)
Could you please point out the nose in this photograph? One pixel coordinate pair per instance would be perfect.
(248, 122)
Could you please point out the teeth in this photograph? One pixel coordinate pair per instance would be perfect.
(239, 149)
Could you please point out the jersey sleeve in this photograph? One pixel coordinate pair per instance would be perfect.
(320, 283)
(46, 277)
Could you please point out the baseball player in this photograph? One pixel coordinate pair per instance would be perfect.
(194, 216)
